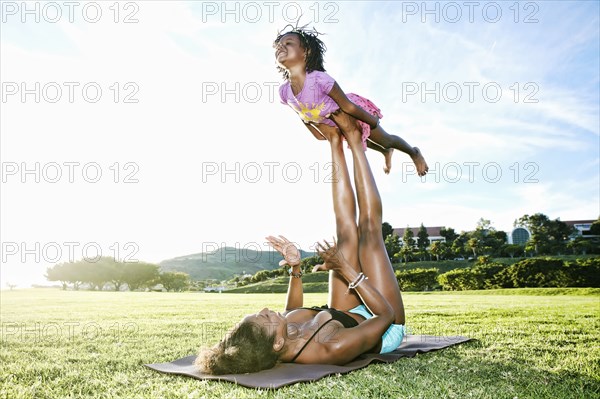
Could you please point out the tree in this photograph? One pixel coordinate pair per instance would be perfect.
(579, 245)
(175, 281)
(140, 275)
(408, 244)
(449, 234)
(595, 228)
(474, 244)
(260, 275)
(96, 274)
(484, 224)
(512, 249)
(386, 229)
(439, 249)
(67, 272)
(489, 240)
(459, 245)
(547, 236)
(11, 286)
(495, 241)
(57, 273)
(307, 264)
(117, 274)
(422, 240)
(392, 246)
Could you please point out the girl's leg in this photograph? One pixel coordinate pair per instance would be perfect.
(373, 257)
(386, 140)
(344, 207)
(387, 153)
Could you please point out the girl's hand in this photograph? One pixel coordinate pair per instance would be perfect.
(332, 256)
(291, 255)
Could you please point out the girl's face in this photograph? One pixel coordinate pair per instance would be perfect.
(289, 51)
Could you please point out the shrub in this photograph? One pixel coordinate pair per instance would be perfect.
(261, 275)
(489, 277)
(461, 279)
(534, 272)
(584, 273)
(417, 279)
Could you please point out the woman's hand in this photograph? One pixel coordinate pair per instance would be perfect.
(333, 258)
(291, 255)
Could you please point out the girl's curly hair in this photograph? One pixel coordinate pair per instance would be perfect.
(308, 40)
(247, 348)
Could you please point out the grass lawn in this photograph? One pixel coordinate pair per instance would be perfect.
(57, 344)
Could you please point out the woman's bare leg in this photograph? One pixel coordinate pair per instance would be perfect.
(344, 206)
(373, 257)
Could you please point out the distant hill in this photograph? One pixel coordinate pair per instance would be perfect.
(311, 282)
(225, 263)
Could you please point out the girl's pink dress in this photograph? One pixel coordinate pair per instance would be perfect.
(313, 102)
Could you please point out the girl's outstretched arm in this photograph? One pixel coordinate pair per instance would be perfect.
(338, 95)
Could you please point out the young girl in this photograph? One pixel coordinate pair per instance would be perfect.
(315, 95)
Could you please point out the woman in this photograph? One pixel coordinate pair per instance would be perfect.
(365, 312)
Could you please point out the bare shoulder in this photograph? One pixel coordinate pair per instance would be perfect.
(299, 315)
(320, 341)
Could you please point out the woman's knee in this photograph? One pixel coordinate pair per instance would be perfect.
(370, 241)
(346, 228)
(369, 222)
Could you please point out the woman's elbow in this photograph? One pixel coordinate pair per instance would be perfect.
(389, 314)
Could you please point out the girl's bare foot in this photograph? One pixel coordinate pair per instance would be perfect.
(419, 161)
(388, 160)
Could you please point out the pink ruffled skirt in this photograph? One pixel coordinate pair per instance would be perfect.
(368, 106)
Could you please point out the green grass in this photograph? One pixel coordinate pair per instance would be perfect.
(529, 344)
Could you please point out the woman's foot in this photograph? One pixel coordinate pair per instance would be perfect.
(388, 160)
(331, 133)
(419, 161)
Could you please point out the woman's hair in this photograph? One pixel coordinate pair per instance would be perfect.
(308, 41)
(247, 348)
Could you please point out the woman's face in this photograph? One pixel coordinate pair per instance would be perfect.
(289, 50)
(272, 322)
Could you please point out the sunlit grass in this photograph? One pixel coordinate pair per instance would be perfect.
(58, 344)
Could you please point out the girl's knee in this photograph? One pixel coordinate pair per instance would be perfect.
(380, 136)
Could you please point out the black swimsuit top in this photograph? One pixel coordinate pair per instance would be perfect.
(347, 322)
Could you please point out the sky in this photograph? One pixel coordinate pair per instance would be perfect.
(147, 130)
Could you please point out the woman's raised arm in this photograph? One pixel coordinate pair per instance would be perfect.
(291, 259)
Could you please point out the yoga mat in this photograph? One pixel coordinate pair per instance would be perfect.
(291, 373)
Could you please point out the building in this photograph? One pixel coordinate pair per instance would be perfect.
(433, 232)
(519, 236)
(583, 227)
